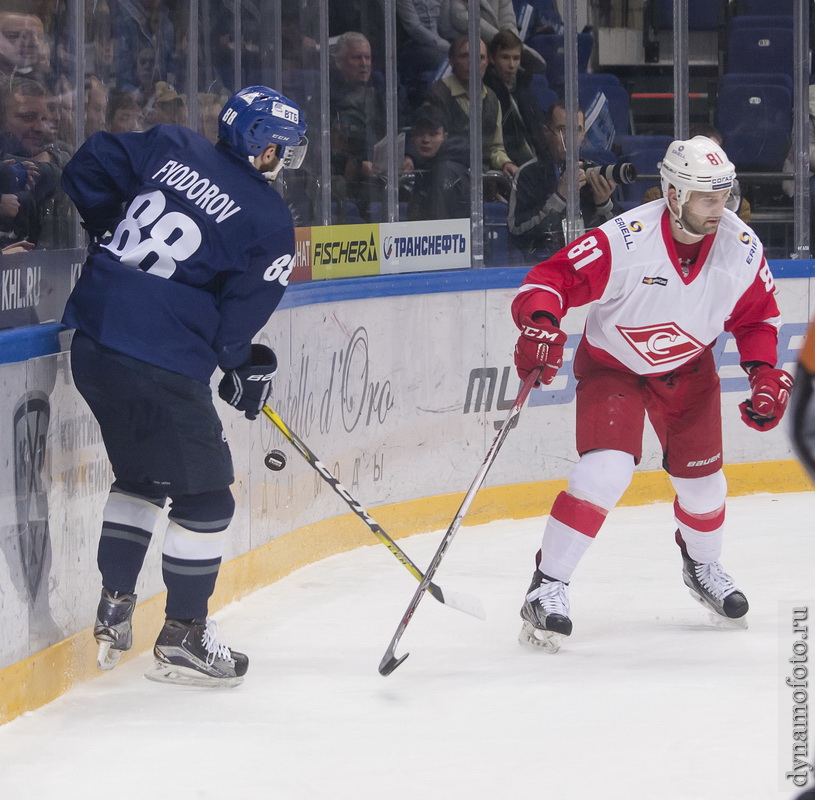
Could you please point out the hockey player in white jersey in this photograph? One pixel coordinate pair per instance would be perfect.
(663, 280)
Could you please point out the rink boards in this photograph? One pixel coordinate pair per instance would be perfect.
(396, 383)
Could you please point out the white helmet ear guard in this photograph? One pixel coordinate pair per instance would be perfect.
(695, 165)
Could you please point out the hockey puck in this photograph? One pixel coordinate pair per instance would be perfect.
(275, 460)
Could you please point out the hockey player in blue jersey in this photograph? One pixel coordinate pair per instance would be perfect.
(190, 252)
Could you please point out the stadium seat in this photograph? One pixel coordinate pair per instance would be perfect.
(759, 21)
(543, 13)
(703, 15)
(645, 159)
(544, 95)
(770, 7)
(760, 50)
(633, 143)
(551, 47)
(301, 85)
(377, 211)
(346, 213)
(619, 104)
(498, 251)
(591, 82)
(755, 121)
(768, 78)
(598, 156)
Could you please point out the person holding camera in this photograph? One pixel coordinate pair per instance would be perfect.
(537, 204)
(660, 282)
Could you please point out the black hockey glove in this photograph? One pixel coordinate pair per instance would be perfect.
(247, 387)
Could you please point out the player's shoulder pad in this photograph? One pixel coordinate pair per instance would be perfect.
(741, 240)
(627, 228)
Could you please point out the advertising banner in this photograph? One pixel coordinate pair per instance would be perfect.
(426, 245)
(344, 251)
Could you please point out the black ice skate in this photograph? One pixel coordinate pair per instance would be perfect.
(713, 587)
(189, 653)
(113, 629)
(545, 614)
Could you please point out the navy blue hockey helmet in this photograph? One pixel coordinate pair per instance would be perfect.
(258, 116)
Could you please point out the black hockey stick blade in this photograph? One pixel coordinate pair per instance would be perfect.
(389, 664)
(390, 661)
(461, 602)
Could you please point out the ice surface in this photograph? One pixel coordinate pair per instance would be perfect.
(647, 699)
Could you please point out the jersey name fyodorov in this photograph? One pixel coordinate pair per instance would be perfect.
(192, 249)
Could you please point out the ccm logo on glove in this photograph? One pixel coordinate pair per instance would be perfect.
(768, 401)
(247, 387)
(540, 345)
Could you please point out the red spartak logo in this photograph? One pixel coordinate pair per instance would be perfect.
(661, 344)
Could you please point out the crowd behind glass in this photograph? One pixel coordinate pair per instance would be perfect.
(126, 65)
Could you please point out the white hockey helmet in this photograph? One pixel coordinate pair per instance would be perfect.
(695, 165)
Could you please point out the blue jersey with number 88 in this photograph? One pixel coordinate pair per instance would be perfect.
(191, 249)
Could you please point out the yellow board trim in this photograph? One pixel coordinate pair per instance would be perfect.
(44, 676)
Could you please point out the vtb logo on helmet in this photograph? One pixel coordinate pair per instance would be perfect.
(258, 116)
(696, 165)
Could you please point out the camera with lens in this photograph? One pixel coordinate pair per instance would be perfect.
(619, 173)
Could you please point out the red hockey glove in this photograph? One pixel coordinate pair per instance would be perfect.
(768, 402)
(539, 345)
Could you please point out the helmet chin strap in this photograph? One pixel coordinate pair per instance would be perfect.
(271, 175)
(678, 220)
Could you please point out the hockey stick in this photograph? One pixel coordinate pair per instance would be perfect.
(389, 661)
(466, 603)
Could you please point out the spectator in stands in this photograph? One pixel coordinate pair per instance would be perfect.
(165, 106)
(23, 147)
(96, 105)
(23, 47)
(14, 216)
(209, 109)
(366, 17)
(124, 113)
(496, 15)
(451, 96)
(736, 202)
(99, 40)
(146, 74)
(537, 205)
(789, 164)
(424, 35)
(357, 99)
(25, 116)
(56, 213)
(441, 174)
(521, 113)
(144, 46)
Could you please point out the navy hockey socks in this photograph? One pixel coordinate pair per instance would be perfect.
(128, 522)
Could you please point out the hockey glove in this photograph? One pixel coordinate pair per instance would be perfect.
(768, 402)
(539, 345)
(247, 387)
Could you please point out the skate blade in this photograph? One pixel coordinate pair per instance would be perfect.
(184, 676)
(536, 639)
(717, 619)
(106, 657)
